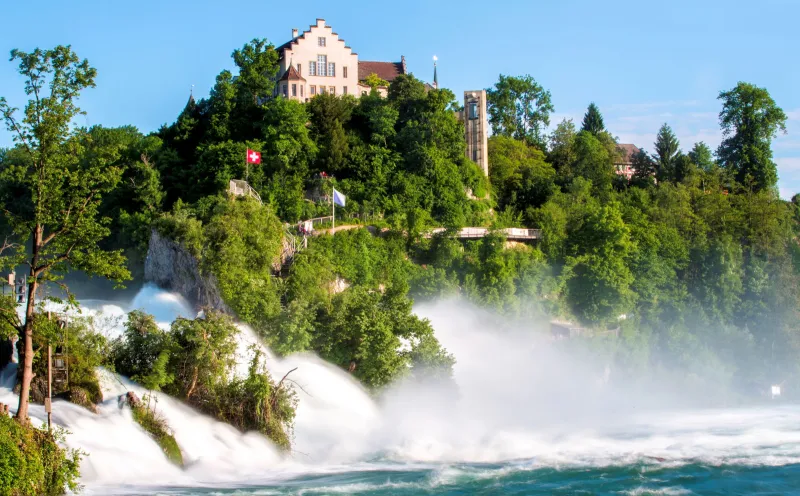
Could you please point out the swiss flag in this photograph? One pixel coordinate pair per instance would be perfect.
(253, 157)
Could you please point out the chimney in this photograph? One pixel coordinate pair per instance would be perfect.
(294, 33)
(403, 62)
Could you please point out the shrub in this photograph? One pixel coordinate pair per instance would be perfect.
(33, 463)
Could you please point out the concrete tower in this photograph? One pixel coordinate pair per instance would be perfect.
(476, 128)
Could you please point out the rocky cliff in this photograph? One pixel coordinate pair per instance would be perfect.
(170, 266)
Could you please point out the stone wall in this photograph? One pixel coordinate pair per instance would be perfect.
(171, 267)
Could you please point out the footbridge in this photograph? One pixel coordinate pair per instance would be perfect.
(511, 233)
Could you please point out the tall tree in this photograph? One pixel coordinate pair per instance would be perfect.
(643, 165)
(57, 222)
(562, 141)
(702, 157)
(593, 120)
(520, 108)
(750, 119)
(258, 65)
(667, 146)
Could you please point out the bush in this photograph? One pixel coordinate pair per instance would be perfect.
(33, 463)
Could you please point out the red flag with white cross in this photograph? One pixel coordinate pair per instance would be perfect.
(253, 157)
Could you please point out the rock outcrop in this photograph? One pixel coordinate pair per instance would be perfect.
(168, 265)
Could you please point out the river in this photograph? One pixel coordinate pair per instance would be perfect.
(527, 418)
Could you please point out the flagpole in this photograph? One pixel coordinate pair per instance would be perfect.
(333, 207)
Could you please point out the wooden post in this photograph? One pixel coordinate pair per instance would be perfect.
(49, 402)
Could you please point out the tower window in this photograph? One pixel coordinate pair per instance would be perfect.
(473, 110)
(299, 69)
(294, 89)
(322, 65)
(321, 41)
(301, 90)
(285, 90)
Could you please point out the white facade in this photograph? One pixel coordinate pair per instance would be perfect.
(323, 61)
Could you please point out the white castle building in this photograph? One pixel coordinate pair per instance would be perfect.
(319, 61)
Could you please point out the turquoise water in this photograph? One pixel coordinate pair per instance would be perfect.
(521, 477)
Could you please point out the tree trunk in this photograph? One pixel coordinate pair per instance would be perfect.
(194, 383)
(27, 333)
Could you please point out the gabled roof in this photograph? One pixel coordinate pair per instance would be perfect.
(302, 36)
(384, 70)
(291, 74)
(628, 151)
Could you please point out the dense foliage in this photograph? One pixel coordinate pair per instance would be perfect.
(196, 361)
(692, 266)
(33, 463)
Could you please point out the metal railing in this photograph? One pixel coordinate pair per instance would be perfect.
(237, 187)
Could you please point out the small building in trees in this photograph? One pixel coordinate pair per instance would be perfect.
(623, 165)
(318, 61)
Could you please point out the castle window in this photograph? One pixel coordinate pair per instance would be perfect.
(299, 69)
(312, 68)
(321, 90)
(313, 89)
(331, 69)
(321, 41)
(344, 90)
(322, 65)
(344, 72)
(285, 90)
(294, 89)
(333, 90)
(301, 90)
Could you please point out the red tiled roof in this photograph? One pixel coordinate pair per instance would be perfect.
(291, 74)
(627, 151)
(384, 70)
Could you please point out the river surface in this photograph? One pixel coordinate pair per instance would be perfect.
(527, 418)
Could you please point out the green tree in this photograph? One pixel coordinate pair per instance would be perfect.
(594, 159)
(57, 223)
(519, 174)
(644, 167)
(258, 65)
(750, 119)
(561, 152)
(667, 147)
(597, 271)
(329, 115)
(702, 157)
(519, 108)
(593, 120)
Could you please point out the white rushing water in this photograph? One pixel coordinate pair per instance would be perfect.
(518, 398)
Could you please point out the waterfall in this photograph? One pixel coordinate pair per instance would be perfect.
(518, 398)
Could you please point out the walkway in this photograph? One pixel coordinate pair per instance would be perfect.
(511, 233)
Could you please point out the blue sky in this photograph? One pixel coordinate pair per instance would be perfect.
(643, 63)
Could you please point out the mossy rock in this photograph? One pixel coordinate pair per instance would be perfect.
(158, 429)
(81, 397)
